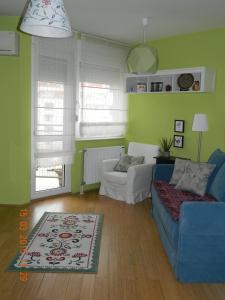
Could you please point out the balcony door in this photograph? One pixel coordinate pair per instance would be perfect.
(53, 116)
(51, 179)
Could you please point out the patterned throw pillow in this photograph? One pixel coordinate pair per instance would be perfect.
(127, 161)
(195, 177)
(178, 171)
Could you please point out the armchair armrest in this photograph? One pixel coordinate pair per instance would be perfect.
(109, 164)
(163, 172)
(139, 176)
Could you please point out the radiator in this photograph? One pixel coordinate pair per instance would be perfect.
(92, 159)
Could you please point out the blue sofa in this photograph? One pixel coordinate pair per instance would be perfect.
(195, 244)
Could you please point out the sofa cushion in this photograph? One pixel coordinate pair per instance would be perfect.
(195, 177)
(127, 161)
(179, 168)
(172, 198)
(217, 158)
(217, 188)
(116, 177)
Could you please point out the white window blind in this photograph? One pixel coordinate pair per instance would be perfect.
(54, 108)
(102, 108)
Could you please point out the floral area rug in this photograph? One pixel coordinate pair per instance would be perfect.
(62, 242)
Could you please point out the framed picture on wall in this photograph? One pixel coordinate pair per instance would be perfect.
(178, 141)
(179, 125)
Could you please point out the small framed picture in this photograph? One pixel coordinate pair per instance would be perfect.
(178, 141)
(179, 125)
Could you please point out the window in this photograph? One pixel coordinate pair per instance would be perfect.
(102, 108)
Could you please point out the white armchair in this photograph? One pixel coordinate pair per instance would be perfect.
(133, 186)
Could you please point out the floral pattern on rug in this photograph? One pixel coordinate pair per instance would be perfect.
(62, 242)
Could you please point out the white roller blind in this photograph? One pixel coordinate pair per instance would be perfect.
(102, 109)
(54, 101)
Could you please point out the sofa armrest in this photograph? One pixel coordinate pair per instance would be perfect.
(109, 164)
(163, 172)
(203, 216)
(139, 176)
(202, 232)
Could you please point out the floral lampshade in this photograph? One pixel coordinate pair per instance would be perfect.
(46, 18)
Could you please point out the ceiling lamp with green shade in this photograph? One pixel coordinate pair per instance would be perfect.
(143, 58)
(46, 18)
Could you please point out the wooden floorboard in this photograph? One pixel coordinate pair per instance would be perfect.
(132, 266)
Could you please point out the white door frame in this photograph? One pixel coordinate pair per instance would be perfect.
(67, 176)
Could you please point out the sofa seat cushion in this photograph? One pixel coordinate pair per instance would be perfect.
(172, 198)
(116, 177)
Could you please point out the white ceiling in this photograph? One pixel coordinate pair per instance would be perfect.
(121, 20)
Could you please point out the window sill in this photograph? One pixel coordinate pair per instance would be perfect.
(101, 138)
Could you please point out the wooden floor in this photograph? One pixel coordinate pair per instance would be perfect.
(133, 264)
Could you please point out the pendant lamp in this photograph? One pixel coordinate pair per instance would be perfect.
(143, 58)
(46, 18)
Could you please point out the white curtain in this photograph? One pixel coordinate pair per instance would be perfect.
(102, 107)
(54, 101)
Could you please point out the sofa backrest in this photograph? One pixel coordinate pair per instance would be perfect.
(147, 150)
(217, 179)
(217, 188)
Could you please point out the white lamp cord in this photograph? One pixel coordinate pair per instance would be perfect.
(145, 24)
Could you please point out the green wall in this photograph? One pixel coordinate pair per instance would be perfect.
(15, 120)
(152, 116)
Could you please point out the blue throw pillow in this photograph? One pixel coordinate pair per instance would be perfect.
(217, 158)
(217, 188)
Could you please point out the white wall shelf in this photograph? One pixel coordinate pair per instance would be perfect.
(166, 81)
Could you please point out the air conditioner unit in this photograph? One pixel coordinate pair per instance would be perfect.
(9, 43)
